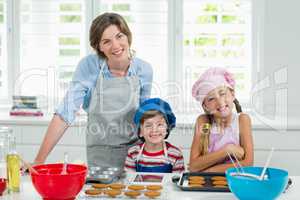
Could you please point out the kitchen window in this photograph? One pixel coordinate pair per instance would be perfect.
(179, 38)
(3, 50)
(52, 42)
(216, 34)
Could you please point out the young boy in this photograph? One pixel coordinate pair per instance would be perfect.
(154, 120)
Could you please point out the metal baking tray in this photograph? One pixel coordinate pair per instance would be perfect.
(106, 175)
(182, 182)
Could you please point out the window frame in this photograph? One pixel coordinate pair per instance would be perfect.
(12, 23)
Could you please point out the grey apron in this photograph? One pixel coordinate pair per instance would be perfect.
(110, 130)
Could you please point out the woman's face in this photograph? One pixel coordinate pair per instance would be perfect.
(114, 44)
(154, 129)
(219, 102)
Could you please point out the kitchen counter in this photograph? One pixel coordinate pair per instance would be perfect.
(170, 192)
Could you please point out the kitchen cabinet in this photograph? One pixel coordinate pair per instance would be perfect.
(30, 131)
(30, 137)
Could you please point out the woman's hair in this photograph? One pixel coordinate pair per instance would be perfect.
(204, 139)
(99, 25)
(149, 114)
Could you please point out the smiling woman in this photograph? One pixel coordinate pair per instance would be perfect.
(114, 45)
(110, 86)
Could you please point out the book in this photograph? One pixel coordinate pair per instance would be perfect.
(25, 106)
(24, 102)
(25, 112)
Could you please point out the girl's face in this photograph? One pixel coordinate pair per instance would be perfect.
(219, 102)
(114, 44)
(154, 130)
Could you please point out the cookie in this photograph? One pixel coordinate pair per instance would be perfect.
(196, 185)
(99, 185)
(154, 187)
(220, 186)
(199, 182)
(219, 182)
(194, 178)
(136, 187)
(93, 192)
(117, 186)
(152, 194)
(132, 193)
(112, 193)
(218, 178)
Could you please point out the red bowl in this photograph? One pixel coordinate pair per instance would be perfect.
(52, 185)
(2, 185)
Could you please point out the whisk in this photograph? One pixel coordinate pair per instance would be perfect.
(240, 171)
(239, 168)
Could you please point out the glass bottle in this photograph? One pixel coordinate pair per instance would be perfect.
(13, 166)
(5, 133)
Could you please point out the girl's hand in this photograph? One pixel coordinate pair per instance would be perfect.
(237, 150)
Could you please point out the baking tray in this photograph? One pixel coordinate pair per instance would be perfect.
(104, 175)
(208, 186)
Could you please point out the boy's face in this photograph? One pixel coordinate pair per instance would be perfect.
(154, 129)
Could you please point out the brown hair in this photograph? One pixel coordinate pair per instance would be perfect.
(204, 139)
(99, 25)
(149, 114)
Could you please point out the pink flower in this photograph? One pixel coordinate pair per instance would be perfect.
(229, 78)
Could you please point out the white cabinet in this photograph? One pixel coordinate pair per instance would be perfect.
(30, 137)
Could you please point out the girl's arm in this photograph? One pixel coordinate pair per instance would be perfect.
(200, 162)
(246, 142)
(246, 139)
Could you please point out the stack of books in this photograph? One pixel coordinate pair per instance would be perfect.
(25, 106)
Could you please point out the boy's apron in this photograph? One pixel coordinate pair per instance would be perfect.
(165, 168)
(110, 129)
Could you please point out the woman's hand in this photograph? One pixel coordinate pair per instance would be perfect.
(25, 168)
(237, 150)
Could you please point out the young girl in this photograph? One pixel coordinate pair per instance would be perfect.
(219, 131)
(154, 121)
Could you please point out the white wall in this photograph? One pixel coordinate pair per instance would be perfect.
(277, 30)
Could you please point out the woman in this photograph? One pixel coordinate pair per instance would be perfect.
(109, 87)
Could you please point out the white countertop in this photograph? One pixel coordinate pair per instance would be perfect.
(170, 192)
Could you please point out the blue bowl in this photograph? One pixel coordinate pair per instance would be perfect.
(247, 188)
